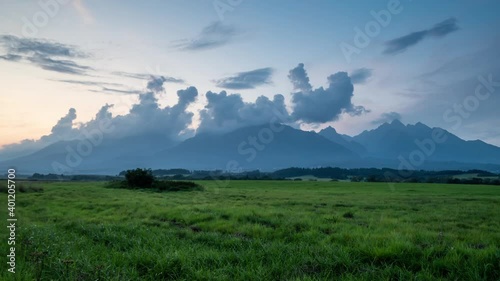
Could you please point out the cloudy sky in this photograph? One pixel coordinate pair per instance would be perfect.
(181, 66)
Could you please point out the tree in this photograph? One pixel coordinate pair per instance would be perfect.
(142, 178)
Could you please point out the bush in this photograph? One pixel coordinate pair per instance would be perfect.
(144, 179)
(176, 186)
(140, 178)
(165, 185)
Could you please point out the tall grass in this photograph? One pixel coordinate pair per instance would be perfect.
(260, 230)
(22, 187)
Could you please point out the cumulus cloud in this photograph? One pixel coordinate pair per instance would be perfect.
(23, 148)
(214, 35)
(226, 112)
(64, 126)
(64, 129)
(246, 80)
(387, 117)
(402, 43)
(322, 105)
(223, 112)
(45, 54)
(156, 84)
(145, 117)
(361, 75)
(300, 80)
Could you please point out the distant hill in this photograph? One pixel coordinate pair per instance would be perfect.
(109, 157)
(344, 140)
(287, 148)
(259, 147)
(389, 141)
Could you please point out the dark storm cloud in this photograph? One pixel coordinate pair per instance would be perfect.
(387, 117)
(322, 105)
(214, 35)
(360, 76)
(400, 44)
(246, 80)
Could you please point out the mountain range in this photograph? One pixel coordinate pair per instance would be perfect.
(265, 147)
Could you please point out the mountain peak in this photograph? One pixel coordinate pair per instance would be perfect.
(421, 125)
(328, 129)
(394, 124)
(397, 123)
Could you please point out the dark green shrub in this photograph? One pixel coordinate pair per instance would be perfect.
(140, 178)
(156, 185)
(176, 186)
(348, 215)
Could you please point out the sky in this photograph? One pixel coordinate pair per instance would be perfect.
(182, 67)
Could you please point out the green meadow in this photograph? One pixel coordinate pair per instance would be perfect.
(256, 230)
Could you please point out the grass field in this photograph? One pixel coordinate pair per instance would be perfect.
(258, 230)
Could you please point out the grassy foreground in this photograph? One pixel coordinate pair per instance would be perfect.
(257, 230)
